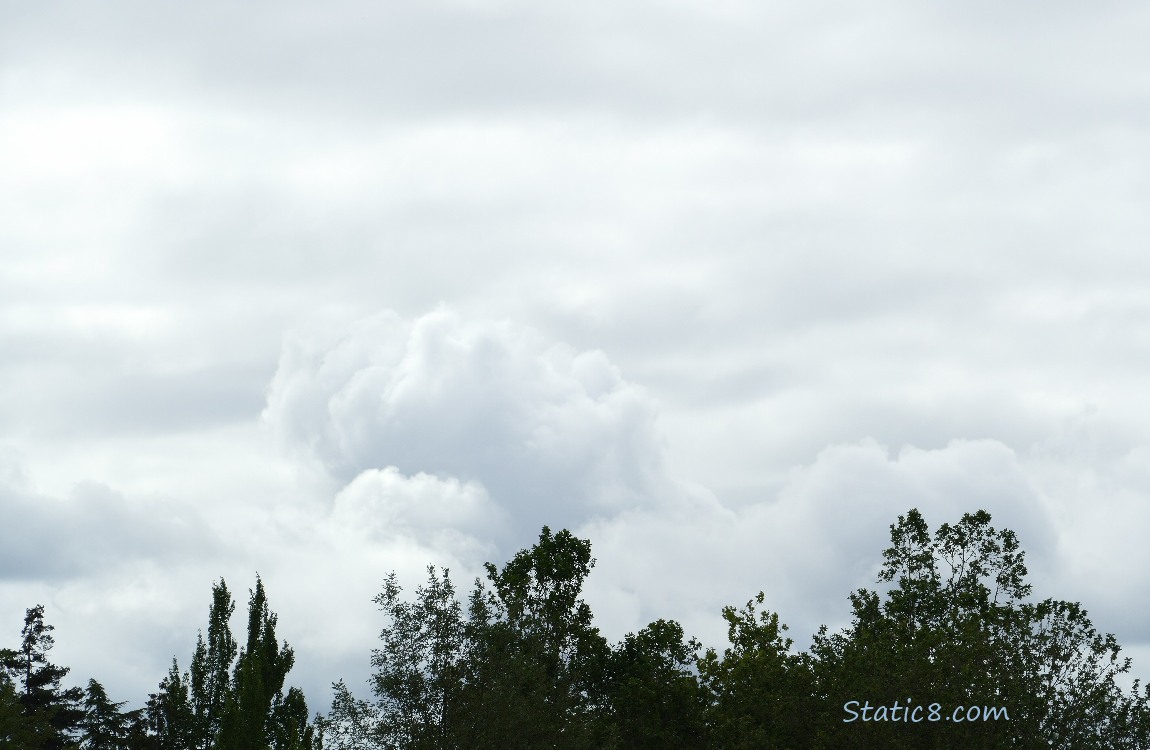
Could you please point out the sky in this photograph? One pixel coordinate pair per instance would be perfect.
(321, 291)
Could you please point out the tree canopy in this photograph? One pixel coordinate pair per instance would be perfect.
(950, 649)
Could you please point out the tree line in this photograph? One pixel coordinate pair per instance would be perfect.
(230, 698)
(950, 651)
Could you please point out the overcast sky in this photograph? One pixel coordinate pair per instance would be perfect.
(326, 290)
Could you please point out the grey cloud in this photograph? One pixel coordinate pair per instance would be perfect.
(819, 539)
(95, 528)
(912, 65)
(108, 402)
(554, 435)
(796, 225)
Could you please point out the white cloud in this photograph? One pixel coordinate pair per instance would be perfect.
(791, 226)
(94, 528)
(819, 539)
(382, 504)
(553, 435)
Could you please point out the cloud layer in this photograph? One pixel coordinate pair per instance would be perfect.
(725, 287)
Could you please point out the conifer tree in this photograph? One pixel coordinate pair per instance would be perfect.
(12, 727)
(49, 715)
(104, 726)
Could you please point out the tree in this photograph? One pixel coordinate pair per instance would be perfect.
(290, 725)
(49, 715)
(524, 668)
(958, 629)
(256, 698)
(352, 723)
(231, 698)
(171, 718)
(138, 736)
(759, 692)
(104, 726)
(13, 734)
(536, 663)
(418, 666)
(211, 671)
(655, 699)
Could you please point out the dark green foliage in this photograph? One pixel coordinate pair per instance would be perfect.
(290, 728)
(232, 699)
(536, 660)
(12, 727)
(760, 694)
(211, 671)
(250, 711)
(1070, 670)
(654, 699)
(418, 668)
(171, 719)
(524, 668)
(49, 715)
(521, 666)
(957, 629)
(352, 724)
(105, 726)
(138, 735)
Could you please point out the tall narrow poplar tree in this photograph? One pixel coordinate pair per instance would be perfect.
(211, 672)
(233, 699)
(171, 721)
(259, 679)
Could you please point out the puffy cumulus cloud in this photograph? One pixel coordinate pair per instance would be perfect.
(1097, 485)
(384, 505)
(551, 435)
(820, 538)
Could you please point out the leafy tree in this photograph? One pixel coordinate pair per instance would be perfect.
(957, 628)
(49, 715)
(138, 735)
(1070, 671)
(231, 698)
(655, 699)
(536, 664)
(524, 668)
(759, 692)
(352, 723)
(290, 728)
(211, 671)
(256, 697)
(418, 667)
(171, 719)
